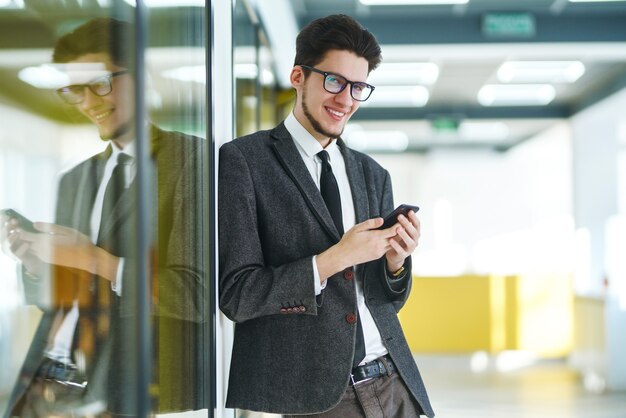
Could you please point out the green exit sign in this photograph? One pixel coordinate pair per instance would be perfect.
(508, 25)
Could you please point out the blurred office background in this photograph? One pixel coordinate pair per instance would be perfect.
(504, 121)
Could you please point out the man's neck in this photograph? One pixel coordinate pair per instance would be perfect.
(323, 140)
(123, 141)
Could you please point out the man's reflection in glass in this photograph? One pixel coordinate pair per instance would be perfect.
(80, 360)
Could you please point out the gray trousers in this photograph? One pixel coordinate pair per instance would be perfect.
(384, 397)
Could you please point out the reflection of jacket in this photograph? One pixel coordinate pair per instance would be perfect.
(178, 288)
(272, 220)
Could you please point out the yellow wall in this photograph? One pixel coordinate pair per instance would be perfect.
(490, 313)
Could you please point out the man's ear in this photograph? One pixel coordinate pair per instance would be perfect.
(296, 77)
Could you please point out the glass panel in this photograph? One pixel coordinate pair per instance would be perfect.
(71, 336)
(177, 102)
(255, 81)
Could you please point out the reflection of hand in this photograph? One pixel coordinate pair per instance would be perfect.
(405, 242)
(12, 244)
(68, 247)
(6, 225)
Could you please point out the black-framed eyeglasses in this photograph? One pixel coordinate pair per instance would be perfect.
(100, 86)
(335, 83)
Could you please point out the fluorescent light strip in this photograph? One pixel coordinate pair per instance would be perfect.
(411, 2)
(516, 94)
(594, 1)
(192, 73)
(169, 3)
(53, 76)
(398, 96)
(11, 4)
(405, 73)
(396, 141)
(540, 71)
(250, 72)
(483, 131)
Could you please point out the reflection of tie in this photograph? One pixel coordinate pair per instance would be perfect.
(115, 188)
(330, 193)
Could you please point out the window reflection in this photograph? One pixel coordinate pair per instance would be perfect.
(69, 331)
(259, 103)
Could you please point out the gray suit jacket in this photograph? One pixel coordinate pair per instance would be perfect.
(180, 277)
(293, 351)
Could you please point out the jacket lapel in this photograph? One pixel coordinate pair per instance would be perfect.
(290, 159)
(90, 180)
(354, 170)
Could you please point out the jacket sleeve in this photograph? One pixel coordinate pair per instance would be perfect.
(179, 262)
(248, 287)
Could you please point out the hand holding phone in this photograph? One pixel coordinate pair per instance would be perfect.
(22, 221)
(392, 218)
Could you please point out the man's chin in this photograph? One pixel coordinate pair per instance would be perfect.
(332, 134)
(116, 134)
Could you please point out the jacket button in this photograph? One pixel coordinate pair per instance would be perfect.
(351, 318)
(302, 309)
(283, 310)
(289, 310)
(348, 274)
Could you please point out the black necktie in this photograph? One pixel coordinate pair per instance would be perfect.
(330, 193)
(115, 188)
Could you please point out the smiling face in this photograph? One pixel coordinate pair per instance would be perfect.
(321, 113)
(113, 114)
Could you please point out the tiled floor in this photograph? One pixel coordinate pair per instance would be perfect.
(537, 390)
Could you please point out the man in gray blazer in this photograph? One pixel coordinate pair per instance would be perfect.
(316, 308)
(89, 250)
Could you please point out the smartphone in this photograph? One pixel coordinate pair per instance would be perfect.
(392, 218)
(22, 221)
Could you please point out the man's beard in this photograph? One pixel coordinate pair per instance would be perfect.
(121, 130)
(315, 124)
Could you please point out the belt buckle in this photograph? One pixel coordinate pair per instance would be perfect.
(360, 381)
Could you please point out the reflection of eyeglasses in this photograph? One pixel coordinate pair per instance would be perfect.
(101, 86)
(334, 83)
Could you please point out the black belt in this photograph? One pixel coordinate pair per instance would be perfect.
(61, 372)
(376, 368)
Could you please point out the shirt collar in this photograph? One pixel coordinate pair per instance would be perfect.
(304, 139)
(129, 149)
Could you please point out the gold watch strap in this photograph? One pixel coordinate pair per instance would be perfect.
(398, 272)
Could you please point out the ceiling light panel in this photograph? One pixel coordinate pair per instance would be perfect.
(191, 73)
(594, 1)
(53, 76)
(483, 131)
(405, 73)
(392, 140)
(398, 96)
(516, 94)
(410, 2)
(540, 71)
(169, 3)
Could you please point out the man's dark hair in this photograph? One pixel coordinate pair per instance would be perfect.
(338, 32)
(102, 34)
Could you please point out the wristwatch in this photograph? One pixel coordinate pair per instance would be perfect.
(398, 272)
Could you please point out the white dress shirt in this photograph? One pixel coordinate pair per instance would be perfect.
(61, 344)
(96, 213)
(308, 147)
